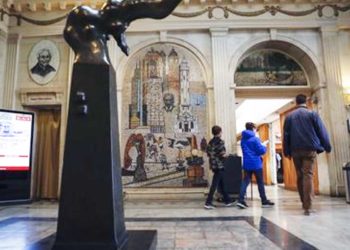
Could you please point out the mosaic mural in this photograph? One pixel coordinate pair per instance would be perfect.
(164, 120)
(269, 68)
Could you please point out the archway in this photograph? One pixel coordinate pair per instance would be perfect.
(284, 70)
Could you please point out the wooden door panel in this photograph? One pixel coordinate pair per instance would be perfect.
(264, 135)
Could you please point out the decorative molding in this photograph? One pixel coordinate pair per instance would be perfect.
(218, 32)
(20, 17)
(272, 9)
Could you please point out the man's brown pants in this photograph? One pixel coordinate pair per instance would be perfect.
(304, 164)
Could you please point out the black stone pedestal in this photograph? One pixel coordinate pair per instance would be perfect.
(137, 240)
(91, 214)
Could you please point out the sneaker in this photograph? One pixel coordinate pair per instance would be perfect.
(242, 204)
(267, 203)
(306, 212)
(229, 204)
(209, 206)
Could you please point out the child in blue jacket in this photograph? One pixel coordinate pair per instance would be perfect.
(253, 150)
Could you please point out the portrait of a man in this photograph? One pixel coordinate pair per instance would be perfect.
(169, 102)
(43, 62)
(43, 67)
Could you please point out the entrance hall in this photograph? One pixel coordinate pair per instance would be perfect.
(167, 82)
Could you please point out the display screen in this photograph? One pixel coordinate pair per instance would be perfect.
(16, 136)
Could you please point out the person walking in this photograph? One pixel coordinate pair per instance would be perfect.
(304, 136)
(217, 153)
(253, 150)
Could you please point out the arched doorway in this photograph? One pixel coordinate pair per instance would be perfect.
(268, 75)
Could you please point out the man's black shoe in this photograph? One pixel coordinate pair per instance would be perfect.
(267, 203)
(242, 204)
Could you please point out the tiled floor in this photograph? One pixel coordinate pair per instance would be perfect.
(186, 225)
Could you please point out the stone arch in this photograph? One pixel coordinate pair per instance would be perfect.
(197, 55)
(293, 48)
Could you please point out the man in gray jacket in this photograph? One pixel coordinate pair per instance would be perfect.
(304, 137)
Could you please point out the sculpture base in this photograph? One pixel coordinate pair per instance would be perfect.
(91, 202)
(138, 240)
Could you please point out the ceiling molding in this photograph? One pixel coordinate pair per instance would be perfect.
(23, 6)
(330, 9)
(272, 9)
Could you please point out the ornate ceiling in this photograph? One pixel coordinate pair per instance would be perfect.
(57, 5)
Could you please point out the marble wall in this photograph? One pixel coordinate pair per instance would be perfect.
(217, 44)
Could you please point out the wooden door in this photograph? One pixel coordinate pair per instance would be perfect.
(263, 131)
(289, 173)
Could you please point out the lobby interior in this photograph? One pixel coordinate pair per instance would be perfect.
(211, 62)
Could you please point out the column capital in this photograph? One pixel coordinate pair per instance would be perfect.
(329, 29)
(163, 36)
(13, 38)
(218, 32)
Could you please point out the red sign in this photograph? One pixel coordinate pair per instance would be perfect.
(13, 168)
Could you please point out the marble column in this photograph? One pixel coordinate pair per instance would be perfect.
(336, 109)
(11, 68)
(3, 48)
(223, 92)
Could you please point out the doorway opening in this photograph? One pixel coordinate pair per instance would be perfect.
(47, 149)
(269, 114)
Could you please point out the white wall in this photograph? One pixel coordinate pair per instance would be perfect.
(194, 34)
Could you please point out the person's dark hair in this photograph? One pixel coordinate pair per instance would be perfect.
(300, 99)
(215, 130)
(250, 126)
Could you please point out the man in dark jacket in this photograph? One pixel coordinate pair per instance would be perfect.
(304, 137)
(217, 152)
(253, 150)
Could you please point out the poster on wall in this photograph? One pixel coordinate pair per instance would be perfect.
(43, 62)
(269, 68)
(164, 119)
(16, 137)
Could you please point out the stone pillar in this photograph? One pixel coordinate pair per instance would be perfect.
(11, 69)
(336, 109)
(3, 46)
(223, 92)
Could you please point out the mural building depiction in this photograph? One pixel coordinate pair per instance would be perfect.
(164, 119)
(269, 68)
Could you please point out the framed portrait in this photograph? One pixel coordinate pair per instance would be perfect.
(43, 62)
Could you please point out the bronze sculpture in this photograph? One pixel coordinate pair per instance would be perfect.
(91, 213)
(87, 30)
